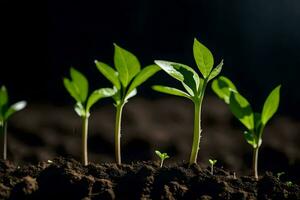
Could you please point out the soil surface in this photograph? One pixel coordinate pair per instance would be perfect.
(68, 179)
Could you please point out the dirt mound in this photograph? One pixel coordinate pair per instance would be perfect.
(68, 179)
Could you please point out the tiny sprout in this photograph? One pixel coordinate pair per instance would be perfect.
(193, 84)
(162, 157)
(5, 112)
(78, 88)
(254, 122)
(126, 78)
(212, 163)
(279, 174)
(289, 183)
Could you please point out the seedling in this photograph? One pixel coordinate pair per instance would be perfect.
(212, 163)
(241, 109)
(6, 112)
(126, 78)
(78, 88)
(162, 157)
(193, 84)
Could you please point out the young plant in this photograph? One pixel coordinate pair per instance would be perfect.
(162, 157)
(6, 111)
(78, 88)
(126, 78)
(212, 163)
(193, 84)
(241, 109)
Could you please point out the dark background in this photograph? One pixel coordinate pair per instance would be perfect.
(259, 41)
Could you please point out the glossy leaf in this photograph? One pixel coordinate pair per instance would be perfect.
(3, 96)
(109, 73)
(99, 94)
(14, 108)
(271, 105)
(142, 76)
(185, 74)
(170, 90)
(79, 80)
(126, 63)
(250, 138)
(216, 71)
(130, 95)
(72, 89)
(203, 57)
(79, 109)
(222, 86)
(242, 110)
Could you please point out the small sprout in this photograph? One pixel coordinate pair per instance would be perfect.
(241, 109)
(126, 78)
(289, 183)
(162, 157)
(279, 174)
(212, 163)
(194, 85)
(6, 111)
(78, 88)
(50, 161)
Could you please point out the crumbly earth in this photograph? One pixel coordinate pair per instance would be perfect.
(65, 178)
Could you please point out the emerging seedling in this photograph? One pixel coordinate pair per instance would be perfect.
(193, 84)
(78, 88)
(241, 109)
(212, 163)
(125, 79)
(162, 157)
(6, 112)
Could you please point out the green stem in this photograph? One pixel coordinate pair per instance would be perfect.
(84, 156)
(255, 162)
(161, 163)
(4, 138)
(197, 125)
(118, 133)
(212, 169)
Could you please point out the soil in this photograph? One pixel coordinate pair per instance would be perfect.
(67, 179)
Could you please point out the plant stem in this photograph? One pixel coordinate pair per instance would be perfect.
(161, 163)
(212, 169)
(4, 138)
(255, 160)
(197, 125)
(84, 157)
(118, 133)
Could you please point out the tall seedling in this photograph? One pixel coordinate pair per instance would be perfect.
(126, 78)
(78, 88)
(241, 109)
(6, 111)
(193, 84)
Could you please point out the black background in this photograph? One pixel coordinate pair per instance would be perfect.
(258, 40)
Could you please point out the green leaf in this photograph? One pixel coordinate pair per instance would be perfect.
(158, 153)
(216, 71)
(242, 110)
(250, 138)
(80, 82)
(271, 105)
(72, 89)
(14, 108)
(3, 96)
(212, 162)
(142, 76)
(99, 94)
(170, 90)
(109, 73)
(126, 63)
(185, 74)
(203, 57)
(222, 86)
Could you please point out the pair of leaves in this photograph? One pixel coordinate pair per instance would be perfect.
(162, 156)
(78, 88)
(5, 110)
(241, 108)
(128, 75)
(190, 80)
(212, 162)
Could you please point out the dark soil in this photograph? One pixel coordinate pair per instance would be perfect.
(68, 179)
